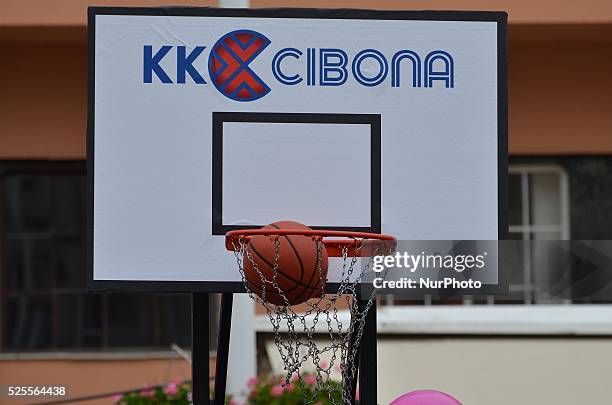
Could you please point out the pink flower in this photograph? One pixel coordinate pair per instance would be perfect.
(277, 391)
(252, 382)
(147, 392)
(290, 387)
(324, 365)
(171, 389)
(294, 377)
(190, 397)
(117, 398)
(310, 379)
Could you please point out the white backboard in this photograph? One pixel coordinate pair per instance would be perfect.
(206, 120)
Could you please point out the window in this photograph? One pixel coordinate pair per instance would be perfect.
(538, 210)
(539, 203)
(44, 304)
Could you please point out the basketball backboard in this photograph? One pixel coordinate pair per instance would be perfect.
(207, 120)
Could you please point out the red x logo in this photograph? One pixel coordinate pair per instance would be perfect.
(229, 61)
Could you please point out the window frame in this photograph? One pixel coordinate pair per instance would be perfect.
(526, 169)
(526, 228)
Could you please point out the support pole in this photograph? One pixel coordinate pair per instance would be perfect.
(352, 384)
(242, 363)
(200, 372)
(225, 325)
(368, 360)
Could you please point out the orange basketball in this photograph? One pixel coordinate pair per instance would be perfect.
(298, 274)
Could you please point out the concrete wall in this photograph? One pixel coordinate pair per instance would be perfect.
(500, 371)
(92, 376)
(507, 355)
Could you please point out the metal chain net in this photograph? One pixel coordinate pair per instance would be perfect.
(295, 334)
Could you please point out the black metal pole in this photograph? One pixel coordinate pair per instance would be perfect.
(200, 372)
(225, 325)
(368, 360)
(352, 384)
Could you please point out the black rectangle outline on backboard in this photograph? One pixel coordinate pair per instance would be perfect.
(498, 17)
(219, 118)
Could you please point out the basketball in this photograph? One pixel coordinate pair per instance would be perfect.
(299, 260)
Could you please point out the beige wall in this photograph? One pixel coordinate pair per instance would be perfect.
(88, 377)
(499, 371)
(560, 99)
(43, 107)
(559, 96)
(72, 12)
(519, 11)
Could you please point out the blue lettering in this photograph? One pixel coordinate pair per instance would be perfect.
(184, 64)
(379, 77)
(276, 66)
(332, 67)
(447, 75)
(416, 68)
(151, 64)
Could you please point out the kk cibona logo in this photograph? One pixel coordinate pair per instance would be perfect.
(228, 65)
(230, 59)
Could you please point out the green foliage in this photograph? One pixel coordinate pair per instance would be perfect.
(265, 391)
(174, 393)
(274, 391)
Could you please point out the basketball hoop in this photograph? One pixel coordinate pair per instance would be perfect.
(286, 263)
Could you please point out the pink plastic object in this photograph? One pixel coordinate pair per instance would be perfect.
(425, 397)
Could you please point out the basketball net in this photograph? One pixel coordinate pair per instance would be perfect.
(296, 333)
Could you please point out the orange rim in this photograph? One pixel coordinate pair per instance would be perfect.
(334, 247)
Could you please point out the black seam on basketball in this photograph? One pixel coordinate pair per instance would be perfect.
(297, 283)
(298, 298)
(299, 258)
(310, 280)
(311, 294)
(318, 257)
(316, 270)
(267, 263)
(297, 255)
